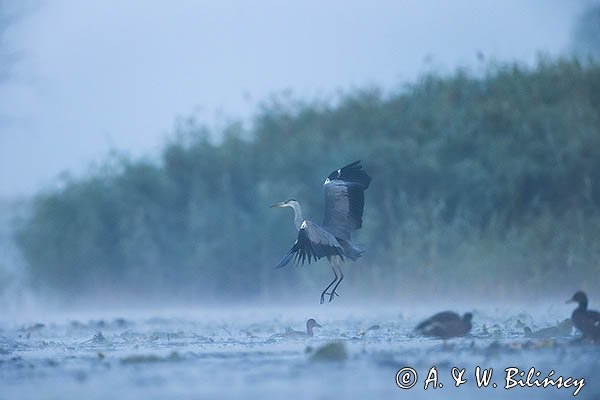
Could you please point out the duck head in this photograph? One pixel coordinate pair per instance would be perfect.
(310, 325)
(579, 298)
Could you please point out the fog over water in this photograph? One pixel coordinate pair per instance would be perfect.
(82, 79)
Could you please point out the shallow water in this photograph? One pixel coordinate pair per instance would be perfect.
(233, 353)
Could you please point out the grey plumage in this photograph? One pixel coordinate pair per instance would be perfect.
(313, 243)
(344, 200)
(344, 203)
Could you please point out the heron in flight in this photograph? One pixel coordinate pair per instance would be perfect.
(344, 202)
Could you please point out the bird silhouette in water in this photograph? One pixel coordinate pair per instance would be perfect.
(344, 203)
(586, 321)
(292, 334)
(445, 325)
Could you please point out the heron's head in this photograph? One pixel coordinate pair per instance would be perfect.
(288, 203)
(579, 298)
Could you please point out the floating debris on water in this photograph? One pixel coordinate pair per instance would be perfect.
(33, 328)
(121, 322)
(51, 363)
(98, 338)
(151, 358)
(563, 328)
(77, 325)
(334, 351)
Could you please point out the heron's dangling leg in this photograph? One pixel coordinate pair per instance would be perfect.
(332, 262)
(338, 264)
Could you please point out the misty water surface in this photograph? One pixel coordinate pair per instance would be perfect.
(236, 353)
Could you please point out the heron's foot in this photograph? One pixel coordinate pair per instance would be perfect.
(334, 293)
(325, 293)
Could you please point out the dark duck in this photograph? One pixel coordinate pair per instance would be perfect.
(587, 321)
(445, 325)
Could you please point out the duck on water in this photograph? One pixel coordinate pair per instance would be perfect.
(445, 325)
(292, 334)
(586, 321)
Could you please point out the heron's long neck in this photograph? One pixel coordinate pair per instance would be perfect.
(298, 219)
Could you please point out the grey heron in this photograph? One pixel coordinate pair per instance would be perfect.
(344, 203)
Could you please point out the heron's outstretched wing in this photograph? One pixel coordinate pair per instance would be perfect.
(345, 200)
(313, 243)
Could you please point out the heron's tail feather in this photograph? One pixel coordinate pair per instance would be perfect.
(351, 251)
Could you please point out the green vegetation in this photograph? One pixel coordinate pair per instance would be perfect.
(584, 41)
(488, 184)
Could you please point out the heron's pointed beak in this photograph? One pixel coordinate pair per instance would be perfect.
(570, 301)
(317, 325)
(280, 204)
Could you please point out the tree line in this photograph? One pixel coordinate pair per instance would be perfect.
(488, 181)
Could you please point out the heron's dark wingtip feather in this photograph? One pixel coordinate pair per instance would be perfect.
(352, 164)
(298, 258)
(285, 260)
(354, 173)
